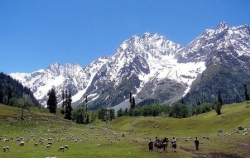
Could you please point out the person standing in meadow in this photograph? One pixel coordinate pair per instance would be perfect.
(150, 145)
(196, 142)
(174, 145)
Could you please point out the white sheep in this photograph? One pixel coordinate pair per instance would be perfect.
(35, 145)
(6, 140)
(21, 143)
(6, 148)
(66, 147)
(49, 143)
(47, 146)
(61, 149)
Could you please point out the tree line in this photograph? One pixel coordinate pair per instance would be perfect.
(177, 110)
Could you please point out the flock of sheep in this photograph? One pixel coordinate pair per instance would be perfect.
(22, 141)
(60, 140)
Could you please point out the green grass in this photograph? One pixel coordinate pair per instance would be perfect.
(39, 123)
(9, 111)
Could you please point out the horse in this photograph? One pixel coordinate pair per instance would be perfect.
(159, 146)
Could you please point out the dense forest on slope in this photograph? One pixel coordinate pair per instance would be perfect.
(10, 87)
(217, 77)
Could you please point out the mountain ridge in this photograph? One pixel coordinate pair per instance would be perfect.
(149, 66)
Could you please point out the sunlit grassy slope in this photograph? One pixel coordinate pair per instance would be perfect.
(232, 117)
(105, 140)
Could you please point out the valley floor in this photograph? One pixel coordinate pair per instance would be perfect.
(219, 136)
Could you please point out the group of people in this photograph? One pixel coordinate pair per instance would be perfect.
(163, 144)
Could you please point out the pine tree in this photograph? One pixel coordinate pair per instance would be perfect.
(111, 114)
(86, 100)
(52, 101)
(246, 93)
(220, 98)
(1, 97)
(9, 95)
(182, 101)
(130, 97)
(119, 113)
(68, 107)
(219, 104)
(133, 103)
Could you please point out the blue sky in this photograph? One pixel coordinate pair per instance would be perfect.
(37, 33)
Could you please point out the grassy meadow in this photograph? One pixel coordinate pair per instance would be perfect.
(105, 139)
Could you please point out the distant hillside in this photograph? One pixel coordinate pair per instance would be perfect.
(7, 84)
(233, 116)
(218, 77)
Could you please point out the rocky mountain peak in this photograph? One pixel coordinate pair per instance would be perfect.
(222, 26)
(146, 35)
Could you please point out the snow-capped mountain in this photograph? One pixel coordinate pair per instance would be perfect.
(150, 66)
(226, 52)
(235, 41)
(70, 76)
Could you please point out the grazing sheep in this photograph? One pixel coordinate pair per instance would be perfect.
(21, 143)
(6, 148)
(49, 143)
(6, 140)
(47, 146)
(66, 147)
(61, 149)
(35, 145)
(18, 139)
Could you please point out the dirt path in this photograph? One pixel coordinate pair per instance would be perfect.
(211, 155)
